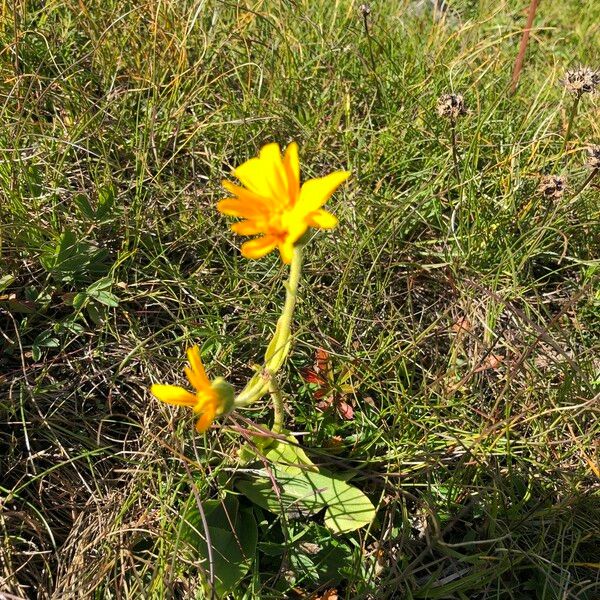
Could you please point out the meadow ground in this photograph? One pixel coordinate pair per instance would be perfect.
(457, 302)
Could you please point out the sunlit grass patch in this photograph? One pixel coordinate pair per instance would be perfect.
(459, 314)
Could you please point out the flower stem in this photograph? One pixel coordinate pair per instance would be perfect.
(278, 409)
(587, 182)
(455, 158)
(279, 346)
(572, 116)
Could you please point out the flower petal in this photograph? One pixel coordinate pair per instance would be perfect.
(252, 175)
(270, 156)
(207, 417)
(291, 164)
(173, 394)
(264, 175)
(258, 247)
(287, 251)
(197, 374)
(247, 228)
(315, 192)
(321, 219)
(234, 207)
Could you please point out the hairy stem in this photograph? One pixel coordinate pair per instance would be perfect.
(279, 346)
(278, 409)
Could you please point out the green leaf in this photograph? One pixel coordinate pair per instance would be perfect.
(348, 509)
(79, 300)
(105, 283)
(84, 206)
(5, 281)
(233, 535)
(106, 200)
(107, 298)
(95, 314)
(289, 456)
(302, 491)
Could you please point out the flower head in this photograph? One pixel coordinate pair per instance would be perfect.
(593, 160)
(582, 80)
(211, 398)
(451, 106)
(274, 205)
(553, 186)
(365, 10)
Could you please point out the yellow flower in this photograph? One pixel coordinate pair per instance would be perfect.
(274, 205)
(210, 399)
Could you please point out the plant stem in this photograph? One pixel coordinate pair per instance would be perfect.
(291, 289)
(368, 34)
(455, 157)
(523, 46)
(279, 346)
(587, 182)
(570, 124)
(278, 409)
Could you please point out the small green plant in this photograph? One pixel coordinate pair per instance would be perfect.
(278, 477)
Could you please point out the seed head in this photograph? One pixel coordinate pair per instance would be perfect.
(451, 106)
(552, 186)
(582, 80)
(365, 10)
(593, 160)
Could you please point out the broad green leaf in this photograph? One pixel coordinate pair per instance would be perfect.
(232, 534)
(348, 509)
(289, 456)
(307, 492)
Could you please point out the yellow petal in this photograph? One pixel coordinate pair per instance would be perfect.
(196, 381)
(197, 372)
(315, 192)
(322, 219)
(255, 200)
(173, 394)
(291, 164)
(247, 228)
(252, 175)
(259, 247)
(208, 416)
(287, 251)
(275, 173)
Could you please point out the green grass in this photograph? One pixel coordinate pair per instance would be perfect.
(468, 310)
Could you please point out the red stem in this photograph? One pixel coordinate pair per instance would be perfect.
(523, 46)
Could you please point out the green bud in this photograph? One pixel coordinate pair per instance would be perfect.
(225, 394)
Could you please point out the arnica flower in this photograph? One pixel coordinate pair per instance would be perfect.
(553, 186)
(582, 80)
(211, 398)
(451, 106)
(274, 205)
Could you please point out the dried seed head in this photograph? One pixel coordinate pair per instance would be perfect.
(593, 160)
(553, 186)
(582, 80)
(451, 106)
(365, 10)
